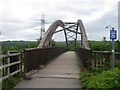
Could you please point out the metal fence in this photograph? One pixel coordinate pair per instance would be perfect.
(34, 58)
(85, 56)
(97, 58)
(10, 65)
(103, 58)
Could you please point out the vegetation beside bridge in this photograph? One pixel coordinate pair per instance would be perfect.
(86, 77)
(21, 45)
(109, 79)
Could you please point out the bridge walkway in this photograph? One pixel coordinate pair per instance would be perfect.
(62, 72)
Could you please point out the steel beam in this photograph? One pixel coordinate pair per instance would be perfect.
(48, 35)
(73, 31)
(76, 25)
(70, 22)
(58, 31)
(84, 40)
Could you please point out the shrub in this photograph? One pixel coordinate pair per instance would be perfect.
(10, 82)
(109, 79)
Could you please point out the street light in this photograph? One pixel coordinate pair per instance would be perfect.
(108, 26)
(111, 28)
(113, 36)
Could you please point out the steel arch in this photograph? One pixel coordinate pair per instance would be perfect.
(45, 42)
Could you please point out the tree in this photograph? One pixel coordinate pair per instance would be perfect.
(104, 42)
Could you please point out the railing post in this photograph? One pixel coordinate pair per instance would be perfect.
(110, 59)
(8, 62)
(1, 69)
(25, 64)
(20, 64)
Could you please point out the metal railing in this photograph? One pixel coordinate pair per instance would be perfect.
(97, 58)
(85, 56)
(103, 58)
(10, 64)
(36, 57)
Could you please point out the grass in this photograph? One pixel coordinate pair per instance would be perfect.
(10, 82)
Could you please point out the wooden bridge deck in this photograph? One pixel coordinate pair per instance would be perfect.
(62, 72)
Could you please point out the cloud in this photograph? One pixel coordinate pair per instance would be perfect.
(19, 17)
(97, 28)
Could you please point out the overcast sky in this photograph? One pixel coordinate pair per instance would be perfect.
(18, 18)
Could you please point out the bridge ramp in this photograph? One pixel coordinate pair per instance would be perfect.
(62, 72)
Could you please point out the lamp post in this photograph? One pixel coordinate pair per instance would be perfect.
(109, 26)
(113, 36)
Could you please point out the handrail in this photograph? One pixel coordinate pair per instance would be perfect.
(97, 58)
(10, 65)
(37, 57)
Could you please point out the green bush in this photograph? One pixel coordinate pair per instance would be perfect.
(85, 78)
(117, 63)
(97, 69)
(10, 82)
(109, 79)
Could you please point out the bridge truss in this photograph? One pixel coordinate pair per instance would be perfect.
(71, 32)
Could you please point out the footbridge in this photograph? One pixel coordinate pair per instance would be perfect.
(56, 67)
(44, 52)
